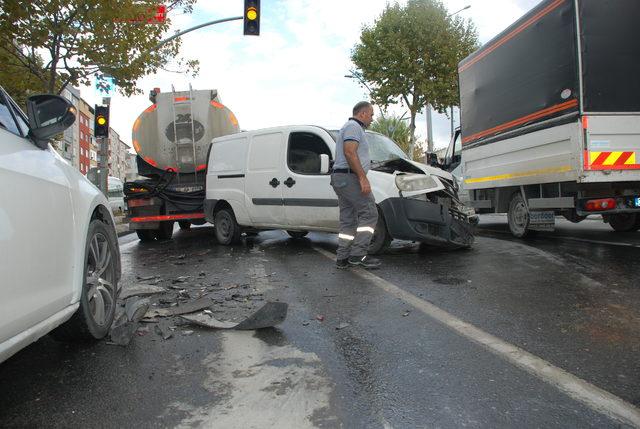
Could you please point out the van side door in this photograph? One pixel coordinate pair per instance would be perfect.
(263, 182)
(309, 199)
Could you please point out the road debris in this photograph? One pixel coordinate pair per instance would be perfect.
(406, 313)
(141, 290)
(342, 326)
(269, 315)
(190, 307)
(180, 279)
(320, 318)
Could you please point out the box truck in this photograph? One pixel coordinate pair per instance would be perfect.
(550, 117)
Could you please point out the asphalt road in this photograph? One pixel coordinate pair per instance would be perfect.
(536, 333)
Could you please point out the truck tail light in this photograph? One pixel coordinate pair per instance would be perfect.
(140, 202)
(600, 205)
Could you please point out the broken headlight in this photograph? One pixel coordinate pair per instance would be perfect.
(415, 182)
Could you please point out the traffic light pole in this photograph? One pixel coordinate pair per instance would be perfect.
(188, 30)
(103, 158)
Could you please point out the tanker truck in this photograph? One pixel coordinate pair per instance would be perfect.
(172, 138)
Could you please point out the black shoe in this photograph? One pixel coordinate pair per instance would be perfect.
(342, 264)
(365, 261)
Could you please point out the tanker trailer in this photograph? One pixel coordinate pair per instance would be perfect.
(172, 138)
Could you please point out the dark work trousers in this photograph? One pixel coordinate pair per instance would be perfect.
(358, 215)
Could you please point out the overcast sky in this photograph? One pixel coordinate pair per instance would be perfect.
(293, 73)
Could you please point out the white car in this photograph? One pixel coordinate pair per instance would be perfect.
(59, 263)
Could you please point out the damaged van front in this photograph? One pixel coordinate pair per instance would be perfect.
(417, 202)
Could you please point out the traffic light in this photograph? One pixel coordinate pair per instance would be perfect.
(251, 17)
(101, 122)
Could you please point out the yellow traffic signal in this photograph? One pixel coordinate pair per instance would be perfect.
(101, 122)
(251, 17)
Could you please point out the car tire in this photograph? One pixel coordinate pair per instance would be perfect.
(227, 230)
(98, 297)
(518, 217)
(624, 222)
(297, 234)
(184, 225)
(147, 235)
(165, 232)
(381, 238)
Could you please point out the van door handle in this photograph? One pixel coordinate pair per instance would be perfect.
(289, 182)
(274, 182)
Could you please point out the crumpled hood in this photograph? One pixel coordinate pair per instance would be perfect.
(427, 169)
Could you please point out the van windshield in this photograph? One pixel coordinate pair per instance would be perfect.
(381, 148)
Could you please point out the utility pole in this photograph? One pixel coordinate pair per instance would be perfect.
(429, 129)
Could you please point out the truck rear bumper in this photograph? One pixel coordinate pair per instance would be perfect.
(426, 222)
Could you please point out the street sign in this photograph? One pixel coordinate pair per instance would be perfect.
(105, 85)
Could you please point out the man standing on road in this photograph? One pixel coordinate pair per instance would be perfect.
(358, 213)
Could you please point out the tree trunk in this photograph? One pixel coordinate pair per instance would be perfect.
(412, 127)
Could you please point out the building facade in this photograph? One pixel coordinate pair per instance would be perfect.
(79, 146)
(85, 135)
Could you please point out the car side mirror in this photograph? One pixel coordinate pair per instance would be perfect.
(49, 115)
(324, 163)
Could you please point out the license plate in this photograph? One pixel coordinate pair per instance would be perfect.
(539, 218)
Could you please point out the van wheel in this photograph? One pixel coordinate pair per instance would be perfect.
(227, 229)
(184, 225)
(297, 234)
(166, 230)
(518, 217)
(99, 285)
(624, 222)
(147, 235)
(381, 238)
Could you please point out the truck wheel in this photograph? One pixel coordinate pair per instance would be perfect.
(227, 229)
(147, 235)
(518, 217)
(297, 234)
(99, 285)
(624, 222)
(381, 237)
(165, 232)
(184, 225)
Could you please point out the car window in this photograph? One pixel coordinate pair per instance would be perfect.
(304, 152)
(6, 118)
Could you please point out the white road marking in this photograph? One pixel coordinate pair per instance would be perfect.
(578, 389)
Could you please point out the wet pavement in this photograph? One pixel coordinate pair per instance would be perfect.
(353, 354)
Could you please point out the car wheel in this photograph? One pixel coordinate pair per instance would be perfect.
(518, 217)
(624, 222)
(98, 296)
(165, 232)
(297, 234)
(227, 229)
(184, 224)
(147, 235)
(381, 238)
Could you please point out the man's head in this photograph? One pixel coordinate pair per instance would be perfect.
(363, 111)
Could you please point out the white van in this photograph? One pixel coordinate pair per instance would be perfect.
(116, 195)
(278, 178)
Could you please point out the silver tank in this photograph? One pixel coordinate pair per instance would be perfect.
(175, 132)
